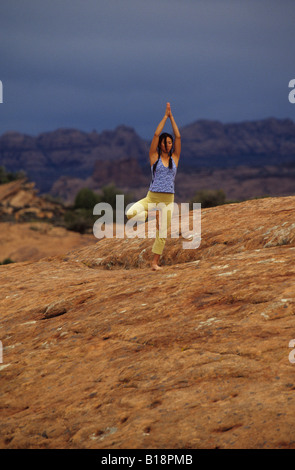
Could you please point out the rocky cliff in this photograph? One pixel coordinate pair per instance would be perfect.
(101, 352)
(69, 152)
(74, 154)
(269, 141)
(125, 173)
(20, 202)
(30, 225)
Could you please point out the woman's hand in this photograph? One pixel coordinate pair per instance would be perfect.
(154, 144)
(168, 110)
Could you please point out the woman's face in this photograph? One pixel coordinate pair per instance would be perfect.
(168, 145)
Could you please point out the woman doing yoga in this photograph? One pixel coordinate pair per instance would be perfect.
(164, 162)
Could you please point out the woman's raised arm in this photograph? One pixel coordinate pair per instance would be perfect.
(177, 144)
(154, 144)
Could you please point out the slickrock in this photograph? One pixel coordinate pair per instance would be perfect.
(30, 241)
(99, 351)
(27, 230)
(19, 201)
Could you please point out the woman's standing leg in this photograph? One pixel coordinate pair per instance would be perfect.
(139, 212)
(164, 222)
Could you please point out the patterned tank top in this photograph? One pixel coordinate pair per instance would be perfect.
(163, 178)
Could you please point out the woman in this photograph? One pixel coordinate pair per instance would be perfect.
(164, 162)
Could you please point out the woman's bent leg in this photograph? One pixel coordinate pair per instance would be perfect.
(139, 210)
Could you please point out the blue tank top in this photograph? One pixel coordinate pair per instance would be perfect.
(163, 178)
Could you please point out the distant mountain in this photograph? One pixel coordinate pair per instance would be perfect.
(211, 143)
(76, 154)
(69, 152)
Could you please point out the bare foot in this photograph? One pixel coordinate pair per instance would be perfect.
(156, 267)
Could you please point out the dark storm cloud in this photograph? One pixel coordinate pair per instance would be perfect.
(97, 64)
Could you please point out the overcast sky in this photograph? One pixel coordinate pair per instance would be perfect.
(96, 64)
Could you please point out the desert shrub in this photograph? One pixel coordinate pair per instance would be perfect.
(86, 199)
(8, 176)
(7, 261)
(108, 195)
(209, 198)
(80, 216)
(79, 220)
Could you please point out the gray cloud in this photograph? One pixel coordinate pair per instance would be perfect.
(97, 64)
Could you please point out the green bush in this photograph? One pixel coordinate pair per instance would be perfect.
(7, 261)
(108, 195)
(7, 176)
(80, 217)
(86, 199)
(79, 220)
(209, 198)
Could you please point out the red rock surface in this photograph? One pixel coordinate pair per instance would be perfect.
(101, 352)
(19, 201)
(27, 230)
(34, 240)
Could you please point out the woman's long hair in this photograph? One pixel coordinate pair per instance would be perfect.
(164, 137)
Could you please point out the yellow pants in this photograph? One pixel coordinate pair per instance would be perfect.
(164, 203)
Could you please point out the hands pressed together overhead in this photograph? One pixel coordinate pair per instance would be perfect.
(168, 110)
